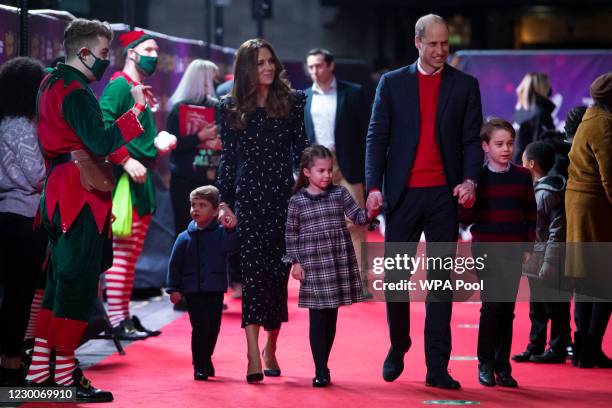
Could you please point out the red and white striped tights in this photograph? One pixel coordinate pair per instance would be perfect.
(120, 277)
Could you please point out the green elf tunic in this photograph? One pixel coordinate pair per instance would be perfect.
(76, 220)
(116, 99)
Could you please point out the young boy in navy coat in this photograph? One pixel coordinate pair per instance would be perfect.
(198, 271)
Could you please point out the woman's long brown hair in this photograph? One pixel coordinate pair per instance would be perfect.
(244, 91)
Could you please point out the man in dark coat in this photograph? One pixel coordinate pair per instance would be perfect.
(423, 151)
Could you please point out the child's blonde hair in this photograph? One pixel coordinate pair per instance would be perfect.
(494, 124)
(208, 193)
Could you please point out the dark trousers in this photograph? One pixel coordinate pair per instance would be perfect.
(205, 316)
(501, 277)
(22, 252)
(540, 313)
(592, 320)
(322, 334)
(431, 210)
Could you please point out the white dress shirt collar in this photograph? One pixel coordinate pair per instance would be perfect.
(422, 70)
(332, 88)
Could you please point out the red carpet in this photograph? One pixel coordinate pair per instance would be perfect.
(158, 373)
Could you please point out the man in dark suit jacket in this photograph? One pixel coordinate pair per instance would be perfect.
(336, 116)
(423, 151)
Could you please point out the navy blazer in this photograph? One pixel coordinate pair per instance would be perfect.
(393, 133)
(352, 116)
(198, 262)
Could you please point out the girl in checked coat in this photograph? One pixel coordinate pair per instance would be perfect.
(320, 249)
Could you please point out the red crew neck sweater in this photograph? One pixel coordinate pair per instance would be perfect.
(427, 170)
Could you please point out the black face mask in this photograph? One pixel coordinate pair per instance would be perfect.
(98, 67)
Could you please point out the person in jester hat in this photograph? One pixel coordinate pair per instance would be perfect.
(136, 159)
(75, 205)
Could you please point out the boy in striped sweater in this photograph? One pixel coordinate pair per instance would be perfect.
(504, 212)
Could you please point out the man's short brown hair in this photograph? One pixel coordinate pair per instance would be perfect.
(494, 124)
(84, 33)
(208, 193)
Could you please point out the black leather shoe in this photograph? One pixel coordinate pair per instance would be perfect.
(200, 375)
(320, 382)
(443, 380)
(523, 357)
(139, 327)
(393, 365)
(85, 392)
(254, 378)
(327, 375)
(601, 360)
(211, 369)
(548, 357)
(505, 380)
(485, 376)
(127, 331)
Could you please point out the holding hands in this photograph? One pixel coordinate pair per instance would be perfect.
(226, 216)
(175, 297)
(465, 193)
(374, 203)
(297, 271)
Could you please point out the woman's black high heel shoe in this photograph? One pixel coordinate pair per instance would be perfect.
(254, 378)
(270, 372)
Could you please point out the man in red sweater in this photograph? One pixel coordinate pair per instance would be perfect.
(423, 152)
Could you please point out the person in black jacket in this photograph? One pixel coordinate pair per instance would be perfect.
(197, 270)
(533, 114)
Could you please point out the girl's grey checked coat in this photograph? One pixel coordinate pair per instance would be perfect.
(317, 238)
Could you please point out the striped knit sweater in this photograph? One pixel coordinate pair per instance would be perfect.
(22, 169)
(505, 208)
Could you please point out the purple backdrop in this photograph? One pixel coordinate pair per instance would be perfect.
(9, 33)
(499, 73)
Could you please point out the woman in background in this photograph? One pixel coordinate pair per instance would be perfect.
(22, 173)
(533, 112)
(194, 161)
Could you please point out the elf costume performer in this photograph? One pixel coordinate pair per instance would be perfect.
(136, 159)
(75, 204)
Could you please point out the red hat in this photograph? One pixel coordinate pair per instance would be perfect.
(133, 38)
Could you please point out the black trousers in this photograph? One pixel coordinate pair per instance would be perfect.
(540, 313)
(431, 210)
(501, 277)
(22, 252)
(322, 334)
(591, 319)
(204, 310)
